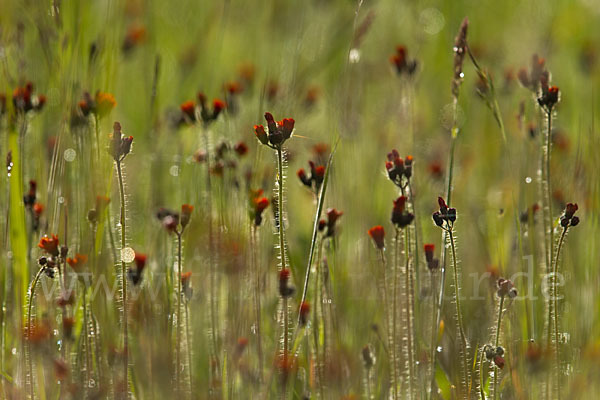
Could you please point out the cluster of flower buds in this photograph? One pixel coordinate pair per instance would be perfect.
(95, 214)
(506, 288)
(34, 208)
(569, 218)
(314, 181)
(120, 145)
(285, 287)
(400, 61)
(258, 204)
(24, 100)
(445, 217)
(134, 273)
(495, 354)
(172, 220)
(400, 215)
(432, 263)
(186, 284)
(328, 226)
(100, 105)
(368, 356)
(304, 311)
(223, 156)
(549, 94)
(377, 233)
(399, 170)
(50, 245)
(278, 132)
(189, 110)
(531, 79)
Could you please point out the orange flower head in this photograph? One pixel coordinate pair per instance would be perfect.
(105, 102)
(77, 262)
(377, 233)
(49, 245)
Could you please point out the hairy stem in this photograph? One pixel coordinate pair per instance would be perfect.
(496, 345)
(389, 323)
(123, 282)
(454, 135)
(178, 325)
(29, 306)
(396, 273)
(282, 255)
(459, 319)
(257, 306)
(409, 315)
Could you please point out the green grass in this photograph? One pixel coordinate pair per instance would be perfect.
(342, 48)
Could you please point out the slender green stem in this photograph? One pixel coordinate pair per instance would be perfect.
(555, 301)
(434, 327)
(409, 315)
(496, 345)
(389, 323)
(481, 375)
(189, 351)
(257, 307)
(88, 365)
(211, 248)
(454, 135)
(178, 325)
(124, 282)
(396, 273)
(29, 306)
(281, 233)
(459, 319)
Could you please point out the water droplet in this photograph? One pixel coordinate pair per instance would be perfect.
(69, 155)
(354, 56)
(462, 74)
(55, 332)
(61, 200)
(528, 179)
(127, 254)
(174, 170)
(14, 351)
(439, 349)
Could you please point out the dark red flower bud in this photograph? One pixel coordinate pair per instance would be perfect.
(377, 233)
(188, 109)
(499, 361)
(261, 135)
(304, 310)
(429, 249)
(570, 210)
